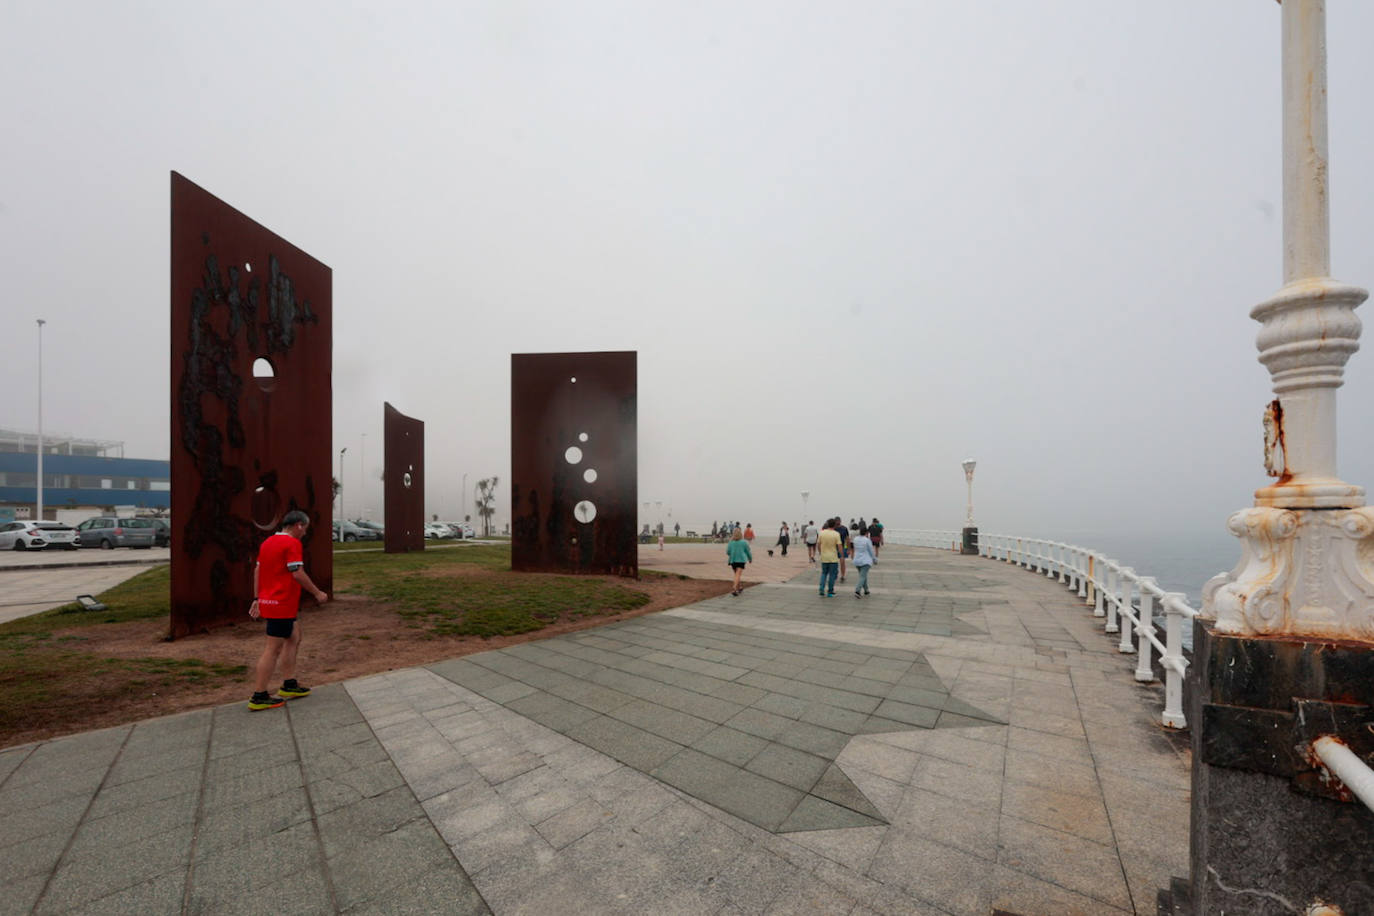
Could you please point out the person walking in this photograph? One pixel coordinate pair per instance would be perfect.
(784, 538)
(828, 547)
(810, 535)
(864, 559)
(844, 544)
(749, 532)
(278, 578)
(875, 534)
(738, 554)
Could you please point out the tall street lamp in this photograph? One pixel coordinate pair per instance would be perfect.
(970, 531)
(362, 473)
(806, 494)
(341, 512)
(41, 322)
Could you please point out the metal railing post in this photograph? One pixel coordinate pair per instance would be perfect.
(1124, 607)
(1082, 559)
(1113, 577)
(1173, 662)
(1143, 671)
(1099, 587)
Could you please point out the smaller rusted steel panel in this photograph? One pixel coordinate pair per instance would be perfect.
(404, 485)
(574, 462)
(244, 451)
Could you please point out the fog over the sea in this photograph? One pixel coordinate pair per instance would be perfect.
(852, 243)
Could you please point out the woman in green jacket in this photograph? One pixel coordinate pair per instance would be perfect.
(738, 554)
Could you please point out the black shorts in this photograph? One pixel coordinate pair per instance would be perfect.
(281, 627)
(736, 565)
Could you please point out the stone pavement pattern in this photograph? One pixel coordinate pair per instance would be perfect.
(964, 739)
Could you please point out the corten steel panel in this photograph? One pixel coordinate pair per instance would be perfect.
(244, 451)
(596, 415)
(404, 487)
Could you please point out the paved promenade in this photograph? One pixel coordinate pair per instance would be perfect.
(964, 740)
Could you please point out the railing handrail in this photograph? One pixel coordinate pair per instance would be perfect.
(1346, 766)
(1105, 584)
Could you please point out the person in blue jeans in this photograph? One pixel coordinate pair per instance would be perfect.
(864, 559)
(828, 547)
(738, 554)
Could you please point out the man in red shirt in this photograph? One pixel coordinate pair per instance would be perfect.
(278, 579)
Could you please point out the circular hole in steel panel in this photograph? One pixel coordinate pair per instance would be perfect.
(581, 437)
(406, 479)
(574, 380)
(584, 511)
(266, 509)
(573, 455)
(264, 373)
(248, 267)
(589, 475)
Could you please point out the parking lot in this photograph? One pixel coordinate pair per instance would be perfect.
(36, 580)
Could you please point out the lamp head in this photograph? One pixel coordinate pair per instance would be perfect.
(969, 465)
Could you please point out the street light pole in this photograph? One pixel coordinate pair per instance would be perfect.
(362, 473)
(41, 322)
(341, 511)
(806, 494)
(970, 544)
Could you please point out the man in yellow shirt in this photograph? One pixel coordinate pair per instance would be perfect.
(828, 546)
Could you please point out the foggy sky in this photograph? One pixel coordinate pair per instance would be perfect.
(852, 243)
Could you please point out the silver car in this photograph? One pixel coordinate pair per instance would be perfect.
(108, 532)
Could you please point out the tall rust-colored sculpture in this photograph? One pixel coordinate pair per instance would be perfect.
(404, 487)
(251, 404)
(574, 462)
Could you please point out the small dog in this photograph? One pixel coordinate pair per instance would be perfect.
(770, 553)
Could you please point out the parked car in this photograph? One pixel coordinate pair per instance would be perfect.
(21, 535)
(437, 530)
(59, 536)
(348, 531)
(379, 530)
(107, 532)
(162, 532)
(465, 531)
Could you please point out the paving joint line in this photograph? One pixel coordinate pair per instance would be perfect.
(76, 831)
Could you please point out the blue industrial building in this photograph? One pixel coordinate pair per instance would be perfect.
(72, 479)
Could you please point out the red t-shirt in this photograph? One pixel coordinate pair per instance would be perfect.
(279, 594)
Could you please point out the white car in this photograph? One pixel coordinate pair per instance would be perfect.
(36, 536)
(438, 530)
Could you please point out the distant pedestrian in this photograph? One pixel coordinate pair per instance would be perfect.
(784, 538)
(864, 558)
(278, 578)
(737, 554)
(844, 544)
(677, 530)
(828, 547)
(749, 532)
(810, 535)
(875, 534)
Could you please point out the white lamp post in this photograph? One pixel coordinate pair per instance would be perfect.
(969, 465)
(1302, 572)
(41, 322)
(341, 512)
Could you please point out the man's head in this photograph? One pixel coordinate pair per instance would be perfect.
(295, 523)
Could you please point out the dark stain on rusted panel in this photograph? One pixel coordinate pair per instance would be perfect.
(245, 451)
(404, 485)
(574, 462)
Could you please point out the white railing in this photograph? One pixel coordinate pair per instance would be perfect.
(1346, 766)
(1115, 592)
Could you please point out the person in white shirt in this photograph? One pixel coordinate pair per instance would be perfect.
(861, 548)
(810, 536)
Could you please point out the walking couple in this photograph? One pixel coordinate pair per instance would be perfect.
(831, 547)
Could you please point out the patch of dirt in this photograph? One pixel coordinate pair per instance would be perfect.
(350, 637)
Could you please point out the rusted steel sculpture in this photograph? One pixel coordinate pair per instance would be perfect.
(404, 486)
(251, 404)
(574, 462)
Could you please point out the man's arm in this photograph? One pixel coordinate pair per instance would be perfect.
(253, 608)
(303, 578)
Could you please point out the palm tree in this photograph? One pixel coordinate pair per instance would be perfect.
(486, 502)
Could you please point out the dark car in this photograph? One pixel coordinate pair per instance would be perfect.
(162, 532)
(348, 531)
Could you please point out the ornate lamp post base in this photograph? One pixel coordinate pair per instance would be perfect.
(1302, 572)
